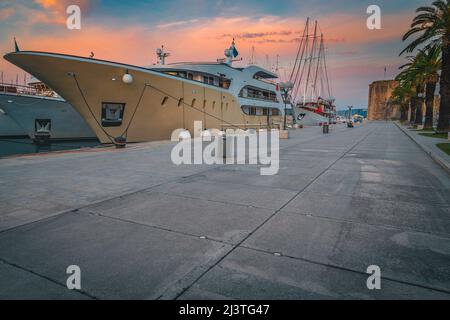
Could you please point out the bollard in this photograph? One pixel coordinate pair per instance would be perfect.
(224, 146)
(41, 139)
(120, 142)
(326, 128)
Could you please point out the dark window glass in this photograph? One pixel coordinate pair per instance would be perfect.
(112, 114)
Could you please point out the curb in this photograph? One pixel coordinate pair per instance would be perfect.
(438, 159)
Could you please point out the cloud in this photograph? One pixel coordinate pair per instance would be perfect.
(177, 23)
(252, 35)
(56, 9)
(5, 13)
(347, 39)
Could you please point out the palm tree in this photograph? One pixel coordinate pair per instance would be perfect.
(412, 76)
(423, 70)
(432, 25)
(401, 96)
(429, 62)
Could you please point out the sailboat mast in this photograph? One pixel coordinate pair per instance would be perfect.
(301, 63)
(310, 62)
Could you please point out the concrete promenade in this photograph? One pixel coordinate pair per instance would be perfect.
(140, 227)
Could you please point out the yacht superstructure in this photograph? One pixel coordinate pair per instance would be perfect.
(121, 101)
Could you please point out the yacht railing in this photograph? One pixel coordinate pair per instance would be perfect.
(26, 90)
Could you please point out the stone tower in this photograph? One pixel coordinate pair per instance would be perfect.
(380, 107)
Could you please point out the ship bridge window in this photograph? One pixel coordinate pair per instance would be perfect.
(209, 79)
(260, 111)
(224, 83)
(259, 94)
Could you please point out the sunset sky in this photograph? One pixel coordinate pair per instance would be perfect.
(198, 30)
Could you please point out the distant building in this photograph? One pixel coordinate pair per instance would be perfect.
(380, 106)
(359, 112)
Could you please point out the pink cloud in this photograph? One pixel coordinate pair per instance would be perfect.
(55, 10)
(205, 39)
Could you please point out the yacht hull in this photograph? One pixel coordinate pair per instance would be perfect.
(8, 127)
(65, 122)
(155, 104)
(308, 118)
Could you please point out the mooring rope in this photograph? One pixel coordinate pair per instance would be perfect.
(125, 132)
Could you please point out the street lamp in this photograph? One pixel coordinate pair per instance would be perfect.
(285, 88)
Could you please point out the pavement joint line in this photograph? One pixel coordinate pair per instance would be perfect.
(386, 226)
(152, 226)
(446, 291)
(14, 265)
(213, 201)
(436, 205)
(433, 204)
(132, 192)
(436, 158)
(102, 201)
(268, 219)
(176, 180)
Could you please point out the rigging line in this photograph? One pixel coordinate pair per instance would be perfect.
(125, 132)
(301, 66)
(317, 66)
(197, 109)
(327, 77)
(301, 74)
(299, 49)
(135, 109)
(305, 48)
(330, 93)
(297, 81)
(90, 110)
(310, 63)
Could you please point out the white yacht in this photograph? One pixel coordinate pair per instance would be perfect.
(125, 102)
(36, 110)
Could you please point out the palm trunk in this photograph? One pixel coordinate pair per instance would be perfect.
(429, 101)
(419, 106)
(444, 108)
(419, 112)
(403, 112)
(413, 110)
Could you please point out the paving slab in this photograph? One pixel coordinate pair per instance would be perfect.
(249, 274)
(19, 284)
(403, 215)
(118, 260)
(214, 220)
(418, 258)
(233, 193)
(142, 227)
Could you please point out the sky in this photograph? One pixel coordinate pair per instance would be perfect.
(199, 30)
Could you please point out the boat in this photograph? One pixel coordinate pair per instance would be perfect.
(8, 127)
(39, 113)
(122, 102)
(315, 113)
(311, 81)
